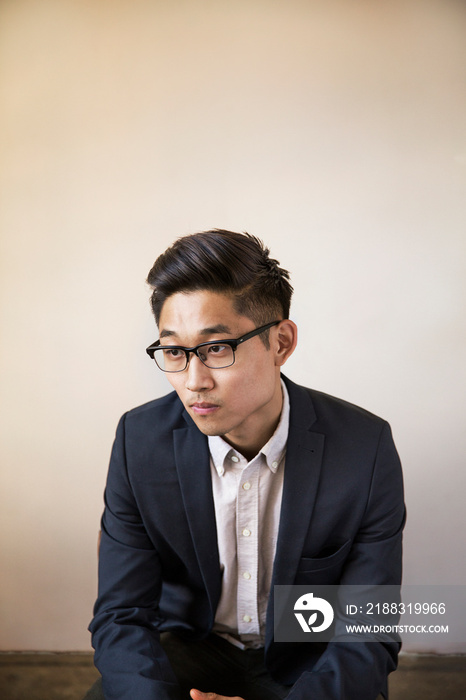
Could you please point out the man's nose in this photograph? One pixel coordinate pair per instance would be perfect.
(198, 376)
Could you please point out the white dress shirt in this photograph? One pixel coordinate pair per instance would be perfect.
(247, 499)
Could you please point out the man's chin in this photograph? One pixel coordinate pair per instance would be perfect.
(206, 426)
(208, 430)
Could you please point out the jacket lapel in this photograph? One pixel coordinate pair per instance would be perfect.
(303, 463)
(193, 467)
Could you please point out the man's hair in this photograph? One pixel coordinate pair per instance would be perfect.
(236, 264)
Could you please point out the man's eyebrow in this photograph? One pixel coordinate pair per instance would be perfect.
(210, 330)
(166, 333)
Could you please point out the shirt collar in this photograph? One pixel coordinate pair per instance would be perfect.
(273, 451)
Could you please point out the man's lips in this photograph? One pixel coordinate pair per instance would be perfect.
(202, 408)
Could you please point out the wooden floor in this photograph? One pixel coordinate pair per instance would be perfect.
(66, 676)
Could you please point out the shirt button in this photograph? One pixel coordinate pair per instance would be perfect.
(246, 532)
(234, 458)
(274, 465)
(247, 575)
(246, 485)
(246, 618)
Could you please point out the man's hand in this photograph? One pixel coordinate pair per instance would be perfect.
(199, 695)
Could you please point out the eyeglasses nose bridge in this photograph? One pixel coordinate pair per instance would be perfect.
(195, 351)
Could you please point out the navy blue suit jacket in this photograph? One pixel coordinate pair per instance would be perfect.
(341, 521)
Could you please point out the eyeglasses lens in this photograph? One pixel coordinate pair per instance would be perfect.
(213, 355)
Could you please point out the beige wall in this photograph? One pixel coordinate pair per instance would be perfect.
(335, 130)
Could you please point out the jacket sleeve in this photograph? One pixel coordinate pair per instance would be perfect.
(352, 670)
(124, 628)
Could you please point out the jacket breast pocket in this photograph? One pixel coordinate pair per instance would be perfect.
(323, 570)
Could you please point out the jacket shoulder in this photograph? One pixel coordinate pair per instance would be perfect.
(330, 413)
(325, 403)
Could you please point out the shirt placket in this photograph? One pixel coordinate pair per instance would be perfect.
(247, 539)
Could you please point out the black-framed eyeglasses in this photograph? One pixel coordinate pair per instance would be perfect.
(215, 354)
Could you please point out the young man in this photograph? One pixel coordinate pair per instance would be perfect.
(238, 481)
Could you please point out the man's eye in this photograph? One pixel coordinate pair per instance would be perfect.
(173, 353)
(217, 349)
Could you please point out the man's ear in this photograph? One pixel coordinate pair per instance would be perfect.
(285, 341)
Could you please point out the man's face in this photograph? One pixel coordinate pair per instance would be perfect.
(241, 402)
